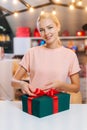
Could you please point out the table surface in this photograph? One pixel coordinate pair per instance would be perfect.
(13, 118)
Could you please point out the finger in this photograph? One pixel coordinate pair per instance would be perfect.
(23, 92)
(31, 89)
(28, 92)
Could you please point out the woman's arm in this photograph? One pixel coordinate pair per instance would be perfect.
(18, 83)
(74, 86)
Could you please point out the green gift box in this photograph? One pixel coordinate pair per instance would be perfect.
(45, 105)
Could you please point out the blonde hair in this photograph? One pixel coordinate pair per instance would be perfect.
(48, 15)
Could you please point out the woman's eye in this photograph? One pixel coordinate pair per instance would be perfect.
(41, 30)
(50, 27)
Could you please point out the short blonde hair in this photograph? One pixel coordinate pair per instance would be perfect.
(48, 15)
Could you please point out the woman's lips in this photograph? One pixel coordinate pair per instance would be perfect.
(48, 38)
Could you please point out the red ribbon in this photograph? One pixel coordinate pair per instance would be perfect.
(39, 92)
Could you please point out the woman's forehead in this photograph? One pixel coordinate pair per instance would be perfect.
(46, 22)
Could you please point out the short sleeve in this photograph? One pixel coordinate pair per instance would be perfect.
(25, 62)
(74, 65)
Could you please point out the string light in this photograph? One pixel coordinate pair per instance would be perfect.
(31, 9)
(79, 3)
(54, 12)
(15, 1)
(15, 14)
(42, 12)
(73, 4)
(72, 7)
(73, 1)
(5, 0)
(56, 1)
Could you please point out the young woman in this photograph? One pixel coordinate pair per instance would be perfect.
(50, 65)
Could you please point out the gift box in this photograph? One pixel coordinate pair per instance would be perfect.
(23, 32)
(45, 105)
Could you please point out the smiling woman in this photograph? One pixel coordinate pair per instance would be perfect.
(47, 66)
(49, 27)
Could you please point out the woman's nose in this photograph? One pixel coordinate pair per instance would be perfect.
(46, 32)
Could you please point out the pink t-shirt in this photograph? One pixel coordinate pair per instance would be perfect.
(46, 65)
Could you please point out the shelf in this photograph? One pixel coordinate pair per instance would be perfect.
(61, 37)
(8, 42)
(73, 37)
(64, 38)
(8, 46)
(27, 42)
(31, 38)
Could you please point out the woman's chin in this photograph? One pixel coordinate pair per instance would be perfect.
(49, 41)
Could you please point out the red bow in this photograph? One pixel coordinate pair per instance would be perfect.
(39, 93)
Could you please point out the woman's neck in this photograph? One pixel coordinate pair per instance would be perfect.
(54, 45)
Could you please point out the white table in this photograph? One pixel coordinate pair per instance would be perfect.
(13, 118)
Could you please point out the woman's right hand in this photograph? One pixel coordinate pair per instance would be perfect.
(27, 88)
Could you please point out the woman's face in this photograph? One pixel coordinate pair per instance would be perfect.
(48, 30)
